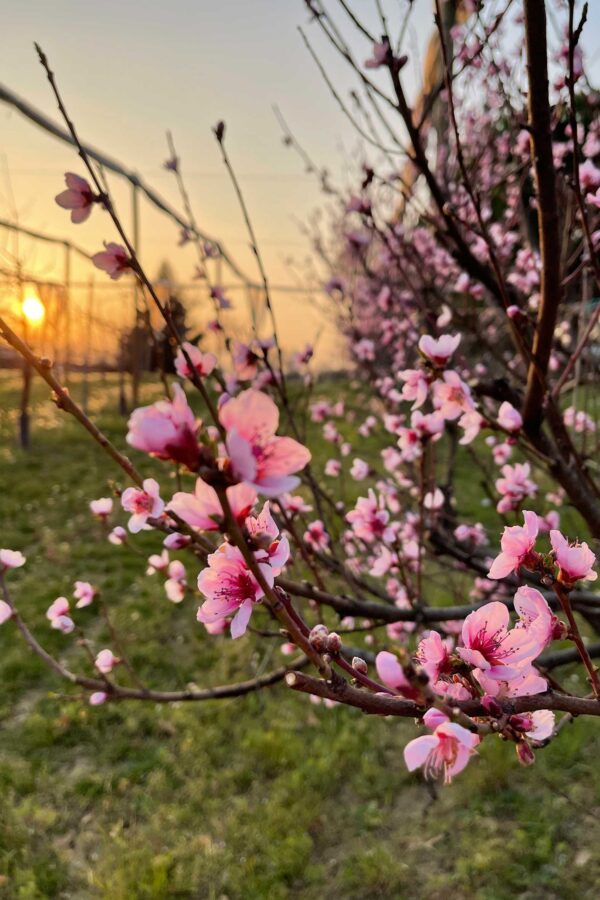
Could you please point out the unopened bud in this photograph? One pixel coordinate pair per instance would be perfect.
(359, 665)
(521, 722)
(525, 754)
(176, 541)
(559, 631)
(491, 705)
(318, 637)
(334, 643)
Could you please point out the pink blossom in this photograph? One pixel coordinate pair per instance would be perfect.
(319, 410)
(364, 350)
(143, 503)
(433, 500)
(58, 615)
(102, 507)
(517, 543)
(84, 593)
(114, 260)
(439, 350)
(78, 197)
(176, 584)
(509, 418)
(60, 607)
(359, 469)
(203, 363)
(589, 176)
(488, 643)
(316, 536)
(11, 559)
(245, 361)
(5, 612)
(471, 422)
(433, 653)
(257, 455)
(333, 467)
(415, 386)
(540, 725)
(451, 396)
(535, 614)
(106, 661)
(369, 519)
(264, 533)
(434, 717)
(294, 503)
(202, 509)
(157, 562)
(167, 430)
(445, 752)
(98, 698)
(515, 486)
(230, 587)
(118, 535)
(550, 521)
(575, 561)
(501, 453)
(176, 541)
(504, 682)
(219, 626)
(391, 673)
(474, 534)
(426, 426)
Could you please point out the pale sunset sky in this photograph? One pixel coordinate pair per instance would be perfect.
(130, 69)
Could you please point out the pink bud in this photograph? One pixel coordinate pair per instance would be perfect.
(491, 705)
(98, 698)
(525, 754)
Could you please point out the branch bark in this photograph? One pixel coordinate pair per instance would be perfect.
(548, 222)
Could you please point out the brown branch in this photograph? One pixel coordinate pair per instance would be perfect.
(565, 603)
(548, 222)
(119, 692)
(384, 705)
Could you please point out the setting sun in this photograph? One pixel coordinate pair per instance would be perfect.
(33, 309)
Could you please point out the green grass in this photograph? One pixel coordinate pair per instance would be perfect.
(267, 796)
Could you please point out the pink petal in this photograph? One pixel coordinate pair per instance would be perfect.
(239, 623)
(417, 751)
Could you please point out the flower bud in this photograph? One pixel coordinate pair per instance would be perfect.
(559, 630)
(359, 665)
(334, 643)
(491, 705)
(176, 541)
(318, 637)
(521, 722)
(525, 754)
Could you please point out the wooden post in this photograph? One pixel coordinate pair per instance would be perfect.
(88, 342)
(67, 303)
(24, 420)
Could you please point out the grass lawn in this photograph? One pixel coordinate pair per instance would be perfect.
(267, 796)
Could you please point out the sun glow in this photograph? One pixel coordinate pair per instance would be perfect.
(33, 309)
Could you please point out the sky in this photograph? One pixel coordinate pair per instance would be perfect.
(130, 69)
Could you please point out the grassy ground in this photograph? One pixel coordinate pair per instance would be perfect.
(263, 797)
